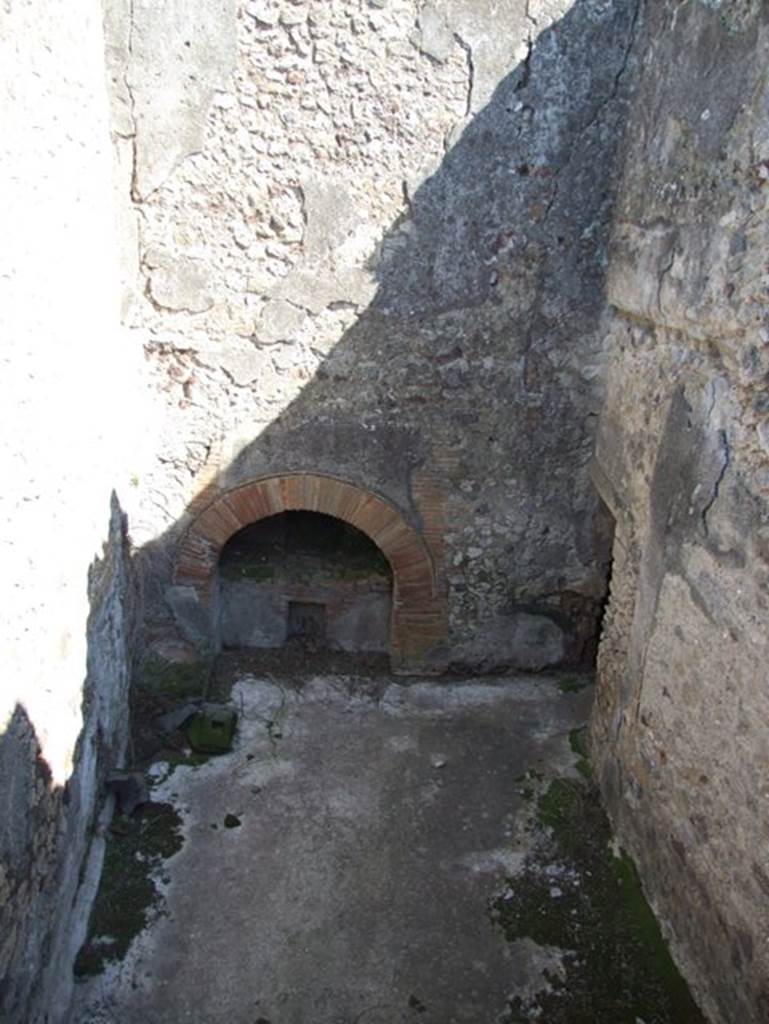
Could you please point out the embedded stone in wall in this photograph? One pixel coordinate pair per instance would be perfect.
(179, 53)
(117, 49)
(490, 53)
(435, 37)
(243, 362)
(280, 321)
(181, 285)
(315, 290)
(329, 213)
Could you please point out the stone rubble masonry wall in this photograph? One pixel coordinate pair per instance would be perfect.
(371, 244)
(65, 424)
(681, 727)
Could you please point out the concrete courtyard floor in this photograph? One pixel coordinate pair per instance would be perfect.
(378, 820)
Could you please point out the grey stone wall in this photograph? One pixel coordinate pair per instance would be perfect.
(681, 728)
(372, 244)
(66, 417)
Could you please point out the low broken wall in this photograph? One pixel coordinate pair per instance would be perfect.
(66, 421)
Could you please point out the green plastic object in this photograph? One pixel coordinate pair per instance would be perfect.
(211, 730)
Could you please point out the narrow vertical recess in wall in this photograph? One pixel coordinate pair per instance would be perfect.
(418, 625)
(613, 635)
(606, 529)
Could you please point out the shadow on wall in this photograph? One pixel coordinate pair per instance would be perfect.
(47, 821)
(466, 393)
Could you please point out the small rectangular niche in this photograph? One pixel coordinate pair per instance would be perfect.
(306, 621)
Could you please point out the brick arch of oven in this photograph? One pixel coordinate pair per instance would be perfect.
(418, 621)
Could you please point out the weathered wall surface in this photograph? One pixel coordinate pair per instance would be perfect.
(65, 588)
(371, 244)
(681, 730)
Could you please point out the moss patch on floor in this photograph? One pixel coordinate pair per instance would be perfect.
(128, 892)
(575, 895)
